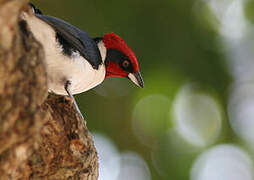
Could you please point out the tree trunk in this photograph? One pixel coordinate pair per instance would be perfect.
(41, 135)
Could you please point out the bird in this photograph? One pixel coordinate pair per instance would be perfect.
(75, 61)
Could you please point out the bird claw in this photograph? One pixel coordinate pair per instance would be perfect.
(73, 101)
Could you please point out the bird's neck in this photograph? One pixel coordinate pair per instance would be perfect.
(102, 49)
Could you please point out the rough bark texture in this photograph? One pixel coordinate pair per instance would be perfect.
(41, 135)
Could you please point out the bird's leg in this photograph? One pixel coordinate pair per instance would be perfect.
(67, 88)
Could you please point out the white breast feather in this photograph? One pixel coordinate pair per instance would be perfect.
(59, 67)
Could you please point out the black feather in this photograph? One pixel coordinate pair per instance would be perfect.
(119, 57)
(36, 11)
(67, 48)
(97, 39)
(74, 39)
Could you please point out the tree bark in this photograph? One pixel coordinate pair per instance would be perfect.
(41, 135)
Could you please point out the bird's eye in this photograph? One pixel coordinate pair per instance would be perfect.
(126, 64)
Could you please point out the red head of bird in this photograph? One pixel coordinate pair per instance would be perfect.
(121, 60)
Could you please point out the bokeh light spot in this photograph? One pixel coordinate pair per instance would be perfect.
(150, 118)
(109, 157)
(241, 112)
(133, 167)
(197, 116)
(119, 166)
(223, 162)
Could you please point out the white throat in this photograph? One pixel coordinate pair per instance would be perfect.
(103, 50)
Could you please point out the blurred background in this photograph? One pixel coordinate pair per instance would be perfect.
(195, 117)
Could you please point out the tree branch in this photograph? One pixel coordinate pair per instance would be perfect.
(41, 136)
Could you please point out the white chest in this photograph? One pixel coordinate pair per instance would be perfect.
(77, 70)
(61, 68)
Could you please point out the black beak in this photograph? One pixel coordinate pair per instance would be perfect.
(137, 79)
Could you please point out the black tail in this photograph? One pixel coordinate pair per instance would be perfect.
(36, 11)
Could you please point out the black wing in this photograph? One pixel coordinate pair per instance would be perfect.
(76, 38)
(36, 11)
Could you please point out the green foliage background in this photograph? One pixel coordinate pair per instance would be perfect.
(176, 42)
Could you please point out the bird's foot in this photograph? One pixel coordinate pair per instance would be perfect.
(67, 88)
